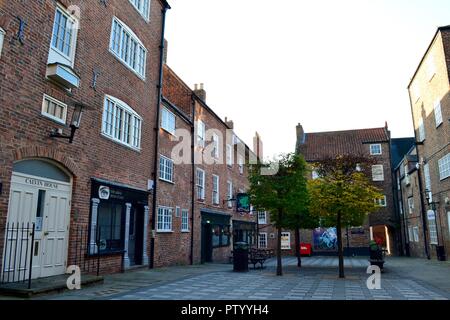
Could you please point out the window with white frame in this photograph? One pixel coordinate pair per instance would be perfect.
(64, 38)
(285, 240)
(121, 123)
(262, 240)
(381, 202)
(432, 227)
(54, 109)
(127, 47)
(444, 167)
(378, 172)
(200, 184)
(262, 217)
(410, 234)
(184, 220)
(201, 133)
(448, 220)
(229, 155)
(215, 140)
(215, 191)
(229, 194)
(143, 7)
(164, 222)
(168, 121)
(437, 113)
(241, 164)
(421, 130)
(416, 234)
(375, 149)
(410, 205)
(2, 37)
(165, 169)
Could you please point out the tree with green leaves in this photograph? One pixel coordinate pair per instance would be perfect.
(282, 191)
(302, 219)
(343, 195)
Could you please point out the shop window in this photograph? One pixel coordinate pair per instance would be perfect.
(110, 226)
(220, 236)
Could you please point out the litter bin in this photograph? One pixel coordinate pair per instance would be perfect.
(240, 257)
(440, 252)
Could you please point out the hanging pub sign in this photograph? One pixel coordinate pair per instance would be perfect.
(243, 203)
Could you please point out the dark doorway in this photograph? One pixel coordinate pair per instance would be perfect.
(207, 245)
(136, 236)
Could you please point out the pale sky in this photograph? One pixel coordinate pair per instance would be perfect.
(330, 65)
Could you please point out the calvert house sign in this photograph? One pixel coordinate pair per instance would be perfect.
(40, 183)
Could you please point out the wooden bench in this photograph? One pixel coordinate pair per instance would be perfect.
(259, 256)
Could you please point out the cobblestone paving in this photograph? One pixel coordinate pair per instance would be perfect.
(316, 281)
(403, 279)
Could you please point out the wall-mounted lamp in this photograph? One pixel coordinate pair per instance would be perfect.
(429, 198)
(74, 125)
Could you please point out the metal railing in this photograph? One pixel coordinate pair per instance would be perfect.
(18, 251)
(84, 257)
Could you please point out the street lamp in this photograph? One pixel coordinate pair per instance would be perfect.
(74, 124)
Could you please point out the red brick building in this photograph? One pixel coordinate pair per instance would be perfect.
(371, 143)
(430, 109)
(57, 58)
(204, 167)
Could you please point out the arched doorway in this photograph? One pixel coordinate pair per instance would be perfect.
(41, 194)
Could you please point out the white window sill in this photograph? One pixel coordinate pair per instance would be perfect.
(164, 231)
(185, 231)
(167, 181)
(120, 143)
(53, 118)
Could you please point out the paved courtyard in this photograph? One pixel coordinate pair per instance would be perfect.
(403, 279)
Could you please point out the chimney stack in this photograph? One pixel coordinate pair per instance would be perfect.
(258, 146)
(300, 137)
(199, 90)
(229, 123)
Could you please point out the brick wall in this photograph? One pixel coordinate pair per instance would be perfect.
(426, 89)
(24, 133)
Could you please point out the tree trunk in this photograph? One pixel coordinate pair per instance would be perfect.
(339, 243)
(279, 266)
(297, 247)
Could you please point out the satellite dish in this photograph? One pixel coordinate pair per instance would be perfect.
(417, 166)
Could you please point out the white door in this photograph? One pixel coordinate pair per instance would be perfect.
(46, 203)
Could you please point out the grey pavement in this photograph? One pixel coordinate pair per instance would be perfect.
(403, 279)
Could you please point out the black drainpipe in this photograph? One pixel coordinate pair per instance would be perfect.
(157, 127)
(194, 177)
(422, 202)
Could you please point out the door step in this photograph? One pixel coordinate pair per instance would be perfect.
(45, 285)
